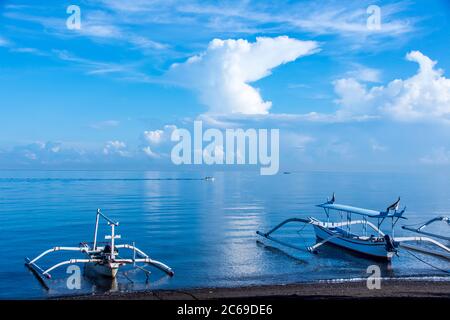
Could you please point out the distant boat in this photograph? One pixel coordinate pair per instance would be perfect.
(208, 178)
(286, 172)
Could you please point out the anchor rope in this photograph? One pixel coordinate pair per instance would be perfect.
(299, 234)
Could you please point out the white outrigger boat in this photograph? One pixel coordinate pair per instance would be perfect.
(377, 245)
(100, 260)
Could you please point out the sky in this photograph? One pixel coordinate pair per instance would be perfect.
(345, 93)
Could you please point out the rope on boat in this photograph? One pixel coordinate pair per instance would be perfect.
(127, 277)
(300, 235)
(427, 263)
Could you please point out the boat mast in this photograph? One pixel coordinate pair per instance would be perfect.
(96, 229)
(112, 240)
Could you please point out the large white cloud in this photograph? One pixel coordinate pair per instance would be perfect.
(424, 96)
(223, 73)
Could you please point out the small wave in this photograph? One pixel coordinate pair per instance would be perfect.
(402, 278)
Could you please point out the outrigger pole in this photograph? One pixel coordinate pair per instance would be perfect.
(425, 224)
(278, 226)
(314, 222)
(444, 253)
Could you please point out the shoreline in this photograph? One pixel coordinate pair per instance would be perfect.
(302, 291)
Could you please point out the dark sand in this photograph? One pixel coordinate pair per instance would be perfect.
(313, 291)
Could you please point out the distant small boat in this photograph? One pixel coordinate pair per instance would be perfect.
(286, 172)
(100, 260)
(209, 178)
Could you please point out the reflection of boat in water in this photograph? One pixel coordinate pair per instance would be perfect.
(100, 260)
(209, 178)
(378, 245)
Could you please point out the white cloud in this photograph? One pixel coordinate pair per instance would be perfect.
(40, 153)
(364, 74)
(116, 147)
(326, 17)
(4, 42)
(94, 67)
(298, 141)
(98, 25)
(155, 137)
(157, 142)
(426, 95)
(148, 151)
(439, 156)
(376, 146)
(223, 73)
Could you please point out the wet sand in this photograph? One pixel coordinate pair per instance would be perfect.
(304, 291)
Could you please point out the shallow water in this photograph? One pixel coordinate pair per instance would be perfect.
(205, 230)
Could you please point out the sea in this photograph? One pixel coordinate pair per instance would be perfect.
(205, 230)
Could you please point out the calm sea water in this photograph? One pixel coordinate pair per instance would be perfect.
(205, 230)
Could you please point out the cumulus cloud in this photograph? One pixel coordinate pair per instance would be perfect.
(223, 73)
(116, 147)
(426, 95)
(40, 153)
(155, 137)
(157, 141)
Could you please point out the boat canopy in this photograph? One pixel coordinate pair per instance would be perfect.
(391, 212)
(350, 209)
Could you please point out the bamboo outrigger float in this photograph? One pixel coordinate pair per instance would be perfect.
(99, 260)
(377, 245)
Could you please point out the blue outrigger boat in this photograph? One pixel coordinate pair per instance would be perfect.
(375, 244)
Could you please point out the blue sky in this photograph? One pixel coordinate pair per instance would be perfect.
(344, 97)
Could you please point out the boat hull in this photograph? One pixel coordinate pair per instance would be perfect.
(376, 250)
(108, 270)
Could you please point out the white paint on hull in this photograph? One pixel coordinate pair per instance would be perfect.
(367, 247)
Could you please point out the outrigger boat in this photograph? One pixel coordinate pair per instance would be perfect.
(377, 245)
(100, 260)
